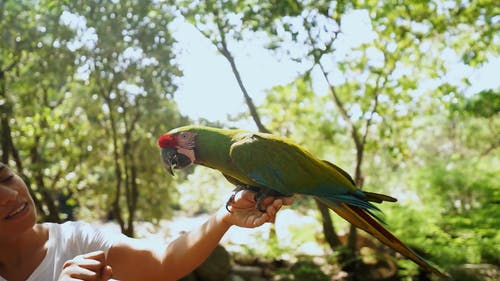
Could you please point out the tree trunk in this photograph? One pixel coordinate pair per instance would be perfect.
(116, 208)
(358, 179)
(331, 236)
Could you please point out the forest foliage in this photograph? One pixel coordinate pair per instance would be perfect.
(87, 86)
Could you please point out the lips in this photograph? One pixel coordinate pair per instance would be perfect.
(17, 211)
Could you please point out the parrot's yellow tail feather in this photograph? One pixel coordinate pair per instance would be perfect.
(361, 219)
(378, 198)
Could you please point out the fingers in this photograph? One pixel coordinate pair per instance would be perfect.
(243, 210)
(106, 273)
(80, 273)
(245, 195)
(272, 209)
(268, 201)
(96, 255)
(287, 201)
(92, 261)
(246, 199)
(87, 264)
(260, 220)
(91, 266)
(241, 199)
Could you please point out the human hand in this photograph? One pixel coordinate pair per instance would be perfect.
(244, 213)
(87, 267)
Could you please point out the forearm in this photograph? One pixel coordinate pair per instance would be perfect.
(142, 259)
(188, 251)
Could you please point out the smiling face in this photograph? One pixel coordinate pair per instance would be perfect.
(17, 209)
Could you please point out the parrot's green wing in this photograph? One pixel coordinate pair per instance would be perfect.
(370, 196)
(283, 166)
(340, 170)
(232, 180)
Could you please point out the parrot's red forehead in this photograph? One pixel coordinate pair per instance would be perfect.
(167, 141)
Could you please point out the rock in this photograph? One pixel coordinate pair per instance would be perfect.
(308, 270)
(234, 277)
(247, 272)
(216, 267)
(340, 276)
(475, 272)
(257, 278)
(384, 268)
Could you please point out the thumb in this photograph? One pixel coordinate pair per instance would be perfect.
(106, 273)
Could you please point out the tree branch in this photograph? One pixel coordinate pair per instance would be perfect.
(227, 54)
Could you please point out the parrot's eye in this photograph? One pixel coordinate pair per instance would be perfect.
(183, 135)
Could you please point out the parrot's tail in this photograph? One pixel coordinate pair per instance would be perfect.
(364, 220)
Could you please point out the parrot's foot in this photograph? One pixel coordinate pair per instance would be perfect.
(264, 193)
(259, 196)
(231, 199)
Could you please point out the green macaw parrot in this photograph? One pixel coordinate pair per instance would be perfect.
(275, 166)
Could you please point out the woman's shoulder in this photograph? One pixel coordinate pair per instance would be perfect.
(69, 229)
(69, 225)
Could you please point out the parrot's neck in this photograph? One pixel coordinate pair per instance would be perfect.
(212, 150)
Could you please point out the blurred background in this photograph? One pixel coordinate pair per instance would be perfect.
(404, 95)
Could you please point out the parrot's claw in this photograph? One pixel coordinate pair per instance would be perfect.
(262, 194)
(258, 203)
(259, 196)
(230, 201)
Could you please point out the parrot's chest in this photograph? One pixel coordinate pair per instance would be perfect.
(227, 168)
(239, 176)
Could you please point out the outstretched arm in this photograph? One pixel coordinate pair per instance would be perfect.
(134, 259)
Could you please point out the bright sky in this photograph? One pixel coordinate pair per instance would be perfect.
(209, 89)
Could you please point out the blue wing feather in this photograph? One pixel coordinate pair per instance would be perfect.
(352, 200)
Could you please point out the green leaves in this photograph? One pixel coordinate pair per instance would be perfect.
(86, 92)
(483, 104)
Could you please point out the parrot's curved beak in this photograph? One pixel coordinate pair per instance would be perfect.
(169, 159)
(172, 159)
